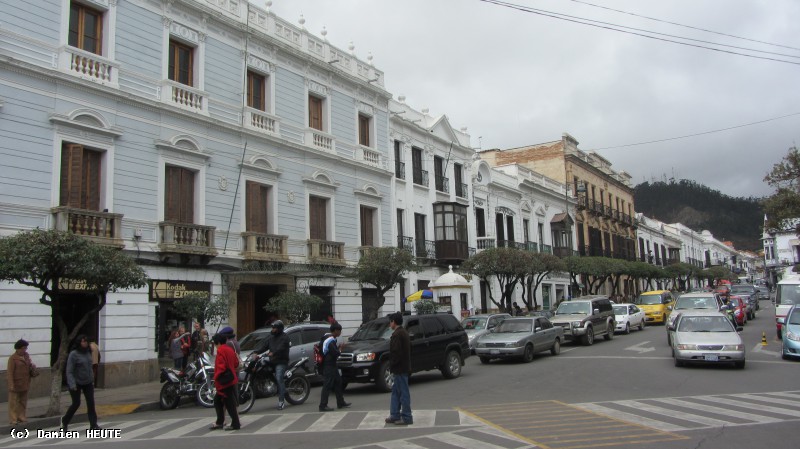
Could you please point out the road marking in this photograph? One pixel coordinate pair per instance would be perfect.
(638, 348)
(718, 410)
(760, 348)
(710, 422)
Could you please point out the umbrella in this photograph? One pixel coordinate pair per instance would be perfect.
(419, 295)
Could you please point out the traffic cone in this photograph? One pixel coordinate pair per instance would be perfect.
(763, 339)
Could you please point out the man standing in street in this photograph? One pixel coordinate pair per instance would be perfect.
(333, 380)
(199, 340)
(400, 366)
(277, 347)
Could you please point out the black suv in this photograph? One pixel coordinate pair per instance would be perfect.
(437, 342)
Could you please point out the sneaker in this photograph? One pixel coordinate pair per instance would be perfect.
(229, 428)
(391, 420)
(344, 405)
(281, 405)
(402, 422)
(326, 409)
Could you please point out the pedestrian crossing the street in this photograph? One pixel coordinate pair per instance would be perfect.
(697, 412)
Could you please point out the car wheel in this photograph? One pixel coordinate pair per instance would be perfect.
(452, 365)
(739, 365)
(678, 362)
(669, 341)
(384, 380)
(779, 334)
(485, 360)
(527, 355)
(588, 337)
(627, 328)
(609, 331)
(556, 349)
(641, 325)
(664, 320)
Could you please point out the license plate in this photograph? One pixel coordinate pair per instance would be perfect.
(711, 357)
(494, 351)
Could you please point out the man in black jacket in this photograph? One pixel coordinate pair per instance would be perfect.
(333, 380)
(277, 347)
(400, 366)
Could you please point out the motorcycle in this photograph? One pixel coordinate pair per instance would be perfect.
(198, 377)
(257, 377)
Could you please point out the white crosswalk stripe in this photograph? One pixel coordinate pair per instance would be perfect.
(707, 411)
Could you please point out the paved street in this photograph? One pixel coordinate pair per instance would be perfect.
(620, 393)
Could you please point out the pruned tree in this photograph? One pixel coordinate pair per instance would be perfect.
(716, 273)
(784, 204)
(540, 265)
(616, 268)
(425, 306)
(208, 310)
(645, 272)
(382, 267)
(595, 271)
(294, 307)
(681, 272)
(507, 265)
(49, 259)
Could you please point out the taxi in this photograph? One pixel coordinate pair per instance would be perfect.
(656, 305)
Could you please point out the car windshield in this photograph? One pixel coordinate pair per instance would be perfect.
(375, 330)
(620, 310)
(569, 308)
(742, 289)
(692, 302)
(788, 294)
(705, 324)
(514, 326)
(473, 323)
(253, 340)
(648, 300)
(794, 318)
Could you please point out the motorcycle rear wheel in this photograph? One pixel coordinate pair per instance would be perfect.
(247, 397)
(205, 395)
(170, 396)
(297, 390)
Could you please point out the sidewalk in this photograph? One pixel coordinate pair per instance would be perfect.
(108, 401)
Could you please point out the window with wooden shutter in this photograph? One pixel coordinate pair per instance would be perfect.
(315, 112)
(80, 177)
(85, 28)
(257, 207)
(363, 130)
(416, 165)
(256, 91)
(181, 63)
(367, 226)
(318, 217)
(179, 195)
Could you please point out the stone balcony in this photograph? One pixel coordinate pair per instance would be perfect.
(264, 247)
(103, 228)
(261, 121)
(320, 140)
(89, 66)
(187, 239)
(325, 252)
(184, 97)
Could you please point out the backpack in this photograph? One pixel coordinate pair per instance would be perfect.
(319, 357)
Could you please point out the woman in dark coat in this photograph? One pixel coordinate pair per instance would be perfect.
(227, 361)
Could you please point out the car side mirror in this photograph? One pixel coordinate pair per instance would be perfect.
(491, 326)
(781, 320)
(669, 307)
(739, 328)
(538, 329)
(671, 328)
(596, 312)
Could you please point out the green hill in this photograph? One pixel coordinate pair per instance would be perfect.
(739, 220)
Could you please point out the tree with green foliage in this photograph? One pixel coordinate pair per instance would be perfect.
(507, 265)
(784, 204)
(425, 306)
(715, 274)
(594, 270)
(208, 311)
(382, 267)
(645, 272)
(48, 260)
(681, 273)
(540, 265)
(294, 307)
(617, 268)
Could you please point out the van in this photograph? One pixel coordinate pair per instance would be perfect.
(787, 294)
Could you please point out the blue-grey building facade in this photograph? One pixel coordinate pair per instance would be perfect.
(227, 150)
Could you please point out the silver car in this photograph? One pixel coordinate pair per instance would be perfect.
(706, 337)
(521, 338)
(477, 325)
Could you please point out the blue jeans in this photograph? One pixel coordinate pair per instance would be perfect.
(400, 406)
(280, 379)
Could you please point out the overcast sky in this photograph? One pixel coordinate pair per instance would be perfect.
(515, 78)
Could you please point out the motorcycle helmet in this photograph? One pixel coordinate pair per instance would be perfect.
(278, 326)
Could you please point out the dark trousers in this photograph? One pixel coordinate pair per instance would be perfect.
(333, 383)
(88, 393)
(229, 402)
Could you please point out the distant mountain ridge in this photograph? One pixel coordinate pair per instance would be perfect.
(739, 220)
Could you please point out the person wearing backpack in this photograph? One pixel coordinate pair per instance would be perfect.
(333, 380)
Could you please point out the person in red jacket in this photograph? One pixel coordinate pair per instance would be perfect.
(225, 379)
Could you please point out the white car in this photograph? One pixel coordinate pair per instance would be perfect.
(628, 316)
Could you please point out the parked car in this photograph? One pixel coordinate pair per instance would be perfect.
(791, 333)
(627, 316)
(585, 318)
(520, 338)
(763, 292)
(656, 304)
(750, 294)
(692, 301)
(437, 342)
(706, 337)
(739, 309)
(302, 337)
(477, 325)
